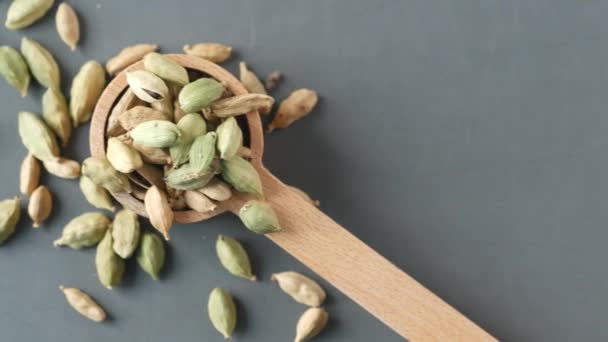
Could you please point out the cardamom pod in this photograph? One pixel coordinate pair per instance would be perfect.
(191, 126)
(198, 202)
(239, 173)
(147, 86)
(67, 25)
(133, 117)
(40, 206)
(110, 267)
(10, 213)
(250, 80)
(199, 94)
(259, 217)
(83, 304)
(216, 190)
(156, 133)
(202, 151)
(42, 64)
(158, 210)
(214, 52)
(125, 233)
(128, 56)
(222, 311)
(164, 106)
(229, 138)
(187, 178)
(87, 86)
(29, 175)
(126, 102)
(63, 168)
(242, 104)
(151, 254)
(153, 155)
(56, 114)
(311, 323)
(82, 231)
(166, 68)
(301, 288)
(304, 195)
(23, 13)
(101, 172)
(233, 257)
(37, 137)
(14, 69)
(299, 104)
(123, 157)
(95, 194)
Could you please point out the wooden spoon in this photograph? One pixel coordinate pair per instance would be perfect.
(313, 238)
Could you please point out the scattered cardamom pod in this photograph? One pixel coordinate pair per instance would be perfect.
(151, 254)
(242, 104)
(127, 101)
(187, 178)
(191, 126)
(23, 13)
(156, 133)
(199, 94)
(198, 202)
(139, 114)
(229, 138)
(128, 56)
(67, 25)
(29, 174)
(299, 104)
(164, 106)
(250, 80)
(158, 210)
(87, 86)
(202, 151)
(41, 63)
(14, 69)
(110, 267)
(166, 68)
(82, 231)
(123, 157)
(96, 195)
(83, 304)
(56, 114)
(239, 173)
(125, 233)
(62, 168)
(259, 217)
(101, 172)
(214, 52)
(40, 206)
(233, 257)
(304, 195)
(273, 79)
(222, 311)
(311, 323)
(37, 137)
(216, 190)
(301, 288)
(10, 213)
(147, 86)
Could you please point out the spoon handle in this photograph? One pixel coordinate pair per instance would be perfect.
(361, 273)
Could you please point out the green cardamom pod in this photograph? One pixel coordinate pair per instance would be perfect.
(156, 133)
(83, 231)
(229, 138)
(216, 190)
(233, 257)
(14, 69)
(151, 254)
(191, 126)
(23, 13)
(202, 151)
(222, 311)
(259, 217)
(101, 172)
(56, 114)
(87, 86)
(300, 287)
(239, 173)
(10, 213)
(311, 323)
(37, 137)
(110, 267)
(41, 63)
(187, 178)
(199, 94)
(166, 68)
(95, 194)
(125, 233)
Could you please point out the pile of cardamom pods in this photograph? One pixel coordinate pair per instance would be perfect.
(173, 142)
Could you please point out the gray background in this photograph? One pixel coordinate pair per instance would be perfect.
(464, 140)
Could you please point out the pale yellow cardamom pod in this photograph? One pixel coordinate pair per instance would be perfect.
(153, 155)
(311, 323)
(233, 257)
(301, 288)
(10, 213)
(123, 157)
(87, 86)
(23, 13)
(37, 137)
(156, 133)
(63, 168)
(83, 231)
(151, 254)
(214, 52)
(158, 210)
(147, 86)
(299, 104)
(125, 232)
(56, 114)
(128, 56)
(241, 104)
(166, 68)
(259, 217)
(127, 101)
(40, 205)
(304, 195)
(101, 172)
(29, 175)
(199, 202)
(229, 138)
(216, 190)
(83, 304)
(131, 118)
(250, 80)
(42, 64)
(67, 25)
(199, 94)
(110, 267)
(95, 194)
(14, 69)
(239, 173)
(222, 311)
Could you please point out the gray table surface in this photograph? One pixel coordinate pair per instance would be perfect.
(464, 140)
